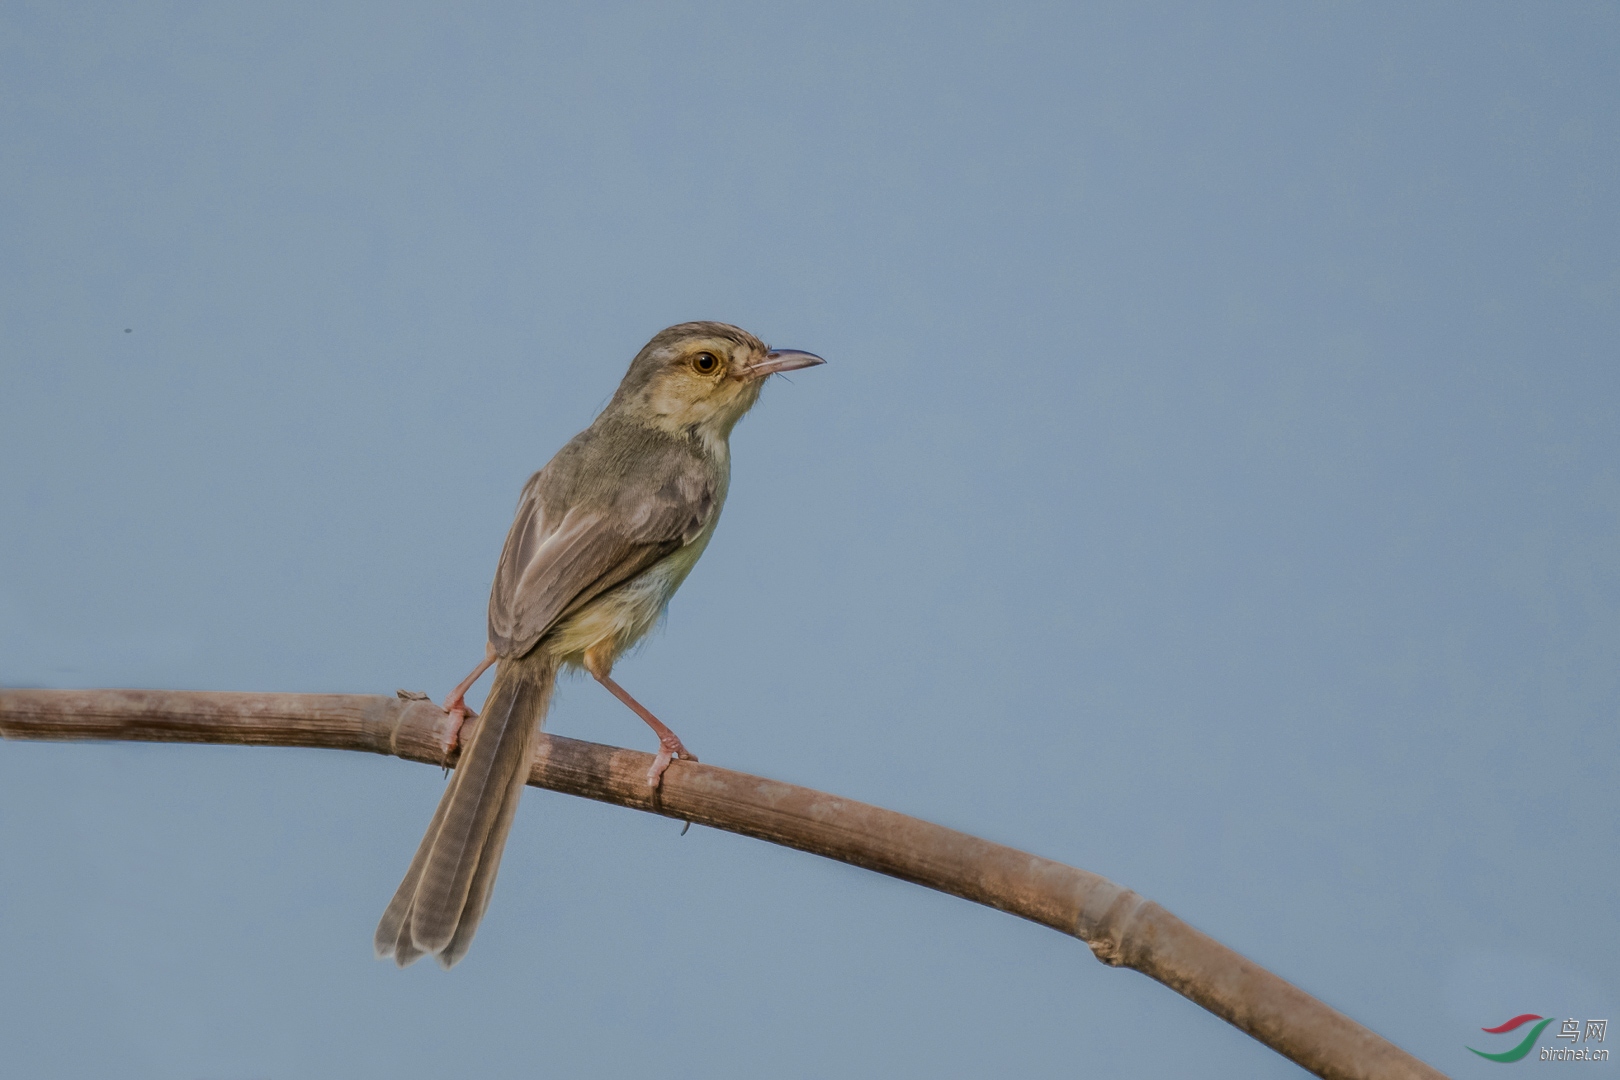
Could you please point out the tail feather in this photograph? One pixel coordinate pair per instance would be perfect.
(394, 929)
(483, 879)
(438, 905)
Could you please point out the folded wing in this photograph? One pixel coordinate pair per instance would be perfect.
(558, 559)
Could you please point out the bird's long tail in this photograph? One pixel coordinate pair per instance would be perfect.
(438, 905)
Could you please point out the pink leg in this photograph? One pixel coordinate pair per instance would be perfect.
(457, 708)
(669, 744)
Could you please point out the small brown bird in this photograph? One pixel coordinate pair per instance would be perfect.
(604, 535)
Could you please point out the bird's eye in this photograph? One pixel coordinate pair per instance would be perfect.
(706, 362)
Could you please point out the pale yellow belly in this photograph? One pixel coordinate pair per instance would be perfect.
(615, 621)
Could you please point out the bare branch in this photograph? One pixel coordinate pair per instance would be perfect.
(1121, 927)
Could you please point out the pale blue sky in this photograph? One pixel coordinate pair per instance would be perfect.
(1215, 484)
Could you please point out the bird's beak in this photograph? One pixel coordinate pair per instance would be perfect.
(779, 360)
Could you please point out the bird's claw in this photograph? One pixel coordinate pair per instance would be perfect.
(458, 714)
(667, 752)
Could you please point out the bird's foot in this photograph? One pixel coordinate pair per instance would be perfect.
(456, 712)
(669, 748)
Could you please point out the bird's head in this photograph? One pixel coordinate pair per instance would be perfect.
(701, 377)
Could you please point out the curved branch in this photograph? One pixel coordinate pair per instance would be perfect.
(1122, 928)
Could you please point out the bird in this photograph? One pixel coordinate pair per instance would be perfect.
(603, 536)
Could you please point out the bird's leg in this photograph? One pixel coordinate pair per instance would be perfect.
(669, 744)
(457, 707)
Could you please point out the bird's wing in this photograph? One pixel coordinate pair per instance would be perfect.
(553, 564)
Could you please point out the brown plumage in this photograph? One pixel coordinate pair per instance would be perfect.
(604, 535)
